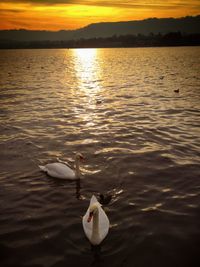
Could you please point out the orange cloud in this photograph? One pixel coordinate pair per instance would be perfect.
(73, 14)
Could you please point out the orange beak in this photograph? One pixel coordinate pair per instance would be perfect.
(82, 158)
(90, 217)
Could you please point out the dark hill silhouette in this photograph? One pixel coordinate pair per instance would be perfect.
(188, 25)
(185, 25)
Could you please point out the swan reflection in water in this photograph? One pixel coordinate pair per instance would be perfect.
(97, 257)
(78, 190)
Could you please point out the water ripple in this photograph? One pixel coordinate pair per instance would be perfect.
(141, 143)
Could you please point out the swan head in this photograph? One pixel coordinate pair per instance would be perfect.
(79, 157)
(92, 211)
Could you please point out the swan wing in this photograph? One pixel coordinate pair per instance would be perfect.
(93, 200)
(60, 170)
(104, 223)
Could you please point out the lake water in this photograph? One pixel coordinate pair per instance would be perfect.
(141, 142)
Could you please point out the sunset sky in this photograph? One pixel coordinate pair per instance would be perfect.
(73, 14)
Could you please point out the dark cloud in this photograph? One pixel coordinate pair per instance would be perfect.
(5, 10)
(167, 4)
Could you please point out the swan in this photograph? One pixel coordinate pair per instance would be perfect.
(95, 222)
(61, 170)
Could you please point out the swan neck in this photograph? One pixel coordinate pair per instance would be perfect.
(95, 229)
(77, 167)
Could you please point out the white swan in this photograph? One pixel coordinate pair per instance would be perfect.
(95, 222)
(61, 170)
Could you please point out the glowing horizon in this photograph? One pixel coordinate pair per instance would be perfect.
(69, 14)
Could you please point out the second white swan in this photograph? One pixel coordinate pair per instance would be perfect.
(62, 171)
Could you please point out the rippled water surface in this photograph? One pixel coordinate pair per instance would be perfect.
(141, 140)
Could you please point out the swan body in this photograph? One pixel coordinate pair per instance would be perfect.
(95, 222)
(58, 170)
(61, 170)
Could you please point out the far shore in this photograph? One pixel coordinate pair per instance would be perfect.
(152, 40)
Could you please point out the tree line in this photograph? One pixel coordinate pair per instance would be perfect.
(151, 40)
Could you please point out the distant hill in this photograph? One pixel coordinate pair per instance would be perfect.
(188, 25)
(185, 25)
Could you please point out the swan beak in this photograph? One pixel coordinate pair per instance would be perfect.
(90, 217)
(82, 158)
